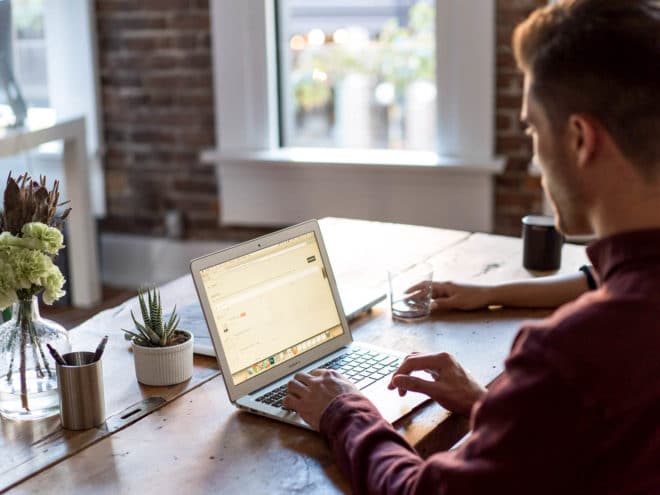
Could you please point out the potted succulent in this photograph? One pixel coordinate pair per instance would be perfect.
(163, 353)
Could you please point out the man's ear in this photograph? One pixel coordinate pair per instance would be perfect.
(583, 138)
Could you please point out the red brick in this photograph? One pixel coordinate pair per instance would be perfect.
(516, 192)
(190, 20)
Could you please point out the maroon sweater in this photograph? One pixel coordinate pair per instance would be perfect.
(577, 409)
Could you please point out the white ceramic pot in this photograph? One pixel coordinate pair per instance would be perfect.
(158, 366)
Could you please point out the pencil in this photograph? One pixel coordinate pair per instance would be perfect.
(100, 348)
(56, 355)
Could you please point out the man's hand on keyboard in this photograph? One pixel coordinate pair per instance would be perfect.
(311, 393)
(451, 385)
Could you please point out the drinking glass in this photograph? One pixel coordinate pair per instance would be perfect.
(410, 292)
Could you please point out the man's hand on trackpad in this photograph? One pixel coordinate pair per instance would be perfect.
(450, 385)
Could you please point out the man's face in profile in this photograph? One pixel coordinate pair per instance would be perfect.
(560, 181)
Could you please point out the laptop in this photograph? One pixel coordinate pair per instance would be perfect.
(272, 310)
(356, 302)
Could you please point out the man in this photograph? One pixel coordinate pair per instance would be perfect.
(577, 409)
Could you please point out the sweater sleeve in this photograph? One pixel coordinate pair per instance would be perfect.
(518, 443)
(368, 450)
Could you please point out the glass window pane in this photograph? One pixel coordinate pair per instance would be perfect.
(357, 74)
(23, 48)
(30, 50)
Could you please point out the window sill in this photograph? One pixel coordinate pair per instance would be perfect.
(338, 158)
(286, 186)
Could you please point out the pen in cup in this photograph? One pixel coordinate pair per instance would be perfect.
(100, 348)
(56, 355)
(80, 390)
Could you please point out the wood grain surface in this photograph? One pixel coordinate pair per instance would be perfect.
(30, 446)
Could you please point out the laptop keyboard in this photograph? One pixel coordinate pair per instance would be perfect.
(360, 366)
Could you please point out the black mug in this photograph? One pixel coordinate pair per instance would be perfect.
(542, 243)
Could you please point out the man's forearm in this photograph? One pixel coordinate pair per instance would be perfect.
(544, 292)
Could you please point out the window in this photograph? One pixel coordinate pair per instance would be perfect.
(52, 51)
(265, 178)
(357, 74)
(23, 50)
(30, 50)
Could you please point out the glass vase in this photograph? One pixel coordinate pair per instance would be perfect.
(28, 380)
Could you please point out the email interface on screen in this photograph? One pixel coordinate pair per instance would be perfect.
(271, 305)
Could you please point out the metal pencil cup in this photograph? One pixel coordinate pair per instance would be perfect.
(80, 385)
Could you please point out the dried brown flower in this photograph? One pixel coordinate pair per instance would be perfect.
(28, 201)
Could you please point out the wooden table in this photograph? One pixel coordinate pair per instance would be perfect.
(189, 437)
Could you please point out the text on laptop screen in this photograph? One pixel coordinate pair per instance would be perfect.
(271, 305)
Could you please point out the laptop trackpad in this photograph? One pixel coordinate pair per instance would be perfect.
(389, 403)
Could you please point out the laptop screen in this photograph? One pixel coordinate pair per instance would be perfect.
(271, 305)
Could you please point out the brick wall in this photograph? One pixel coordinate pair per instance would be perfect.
(157, 96)
(516, 192)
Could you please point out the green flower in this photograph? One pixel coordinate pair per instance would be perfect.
(13, 241)
(50, 238)
(30, 266)
(7, 299)
(52, 284)
(7, 280)
(8, 240)
(28, 269)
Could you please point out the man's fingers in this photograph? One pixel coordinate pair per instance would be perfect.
(417, 287)
(296, 388)
(434, 374)
(443, 304)
(291, 402)
(391, 385)
(417, 296)
(413, 384)
(304, 378)
(417, 362)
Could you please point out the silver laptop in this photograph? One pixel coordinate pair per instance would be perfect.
(273, 309)
(356, 302)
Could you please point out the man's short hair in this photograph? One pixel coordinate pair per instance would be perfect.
(602, 58)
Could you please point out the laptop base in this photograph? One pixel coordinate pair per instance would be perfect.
(388, 402)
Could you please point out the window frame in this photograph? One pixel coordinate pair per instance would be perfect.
(244, 52)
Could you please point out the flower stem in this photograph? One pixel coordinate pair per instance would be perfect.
(35, 355)
(24, 322)
(10, 349)
(23, 371)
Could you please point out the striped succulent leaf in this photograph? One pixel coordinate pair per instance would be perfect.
(153, 331)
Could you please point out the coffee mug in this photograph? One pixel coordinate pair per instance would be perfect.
(542, 243)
